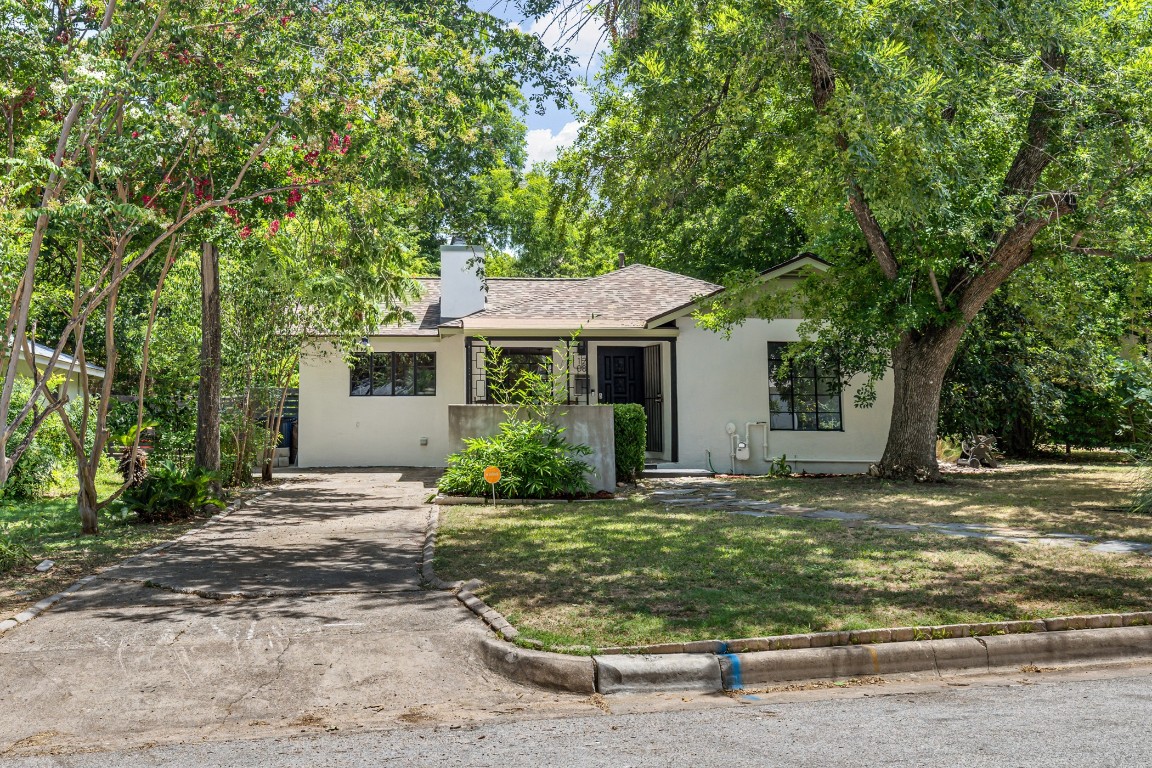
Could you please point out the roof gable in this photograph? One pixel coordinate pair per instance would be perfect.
(781, 270)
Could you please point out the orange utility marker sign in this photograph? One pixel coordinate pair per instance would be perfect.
(492, 475)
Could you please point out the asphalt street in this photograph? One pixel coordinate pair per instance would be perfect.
(1030, 720)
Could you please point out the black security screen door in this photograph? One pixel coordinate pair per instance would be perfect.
(654, 398)
(621, 378)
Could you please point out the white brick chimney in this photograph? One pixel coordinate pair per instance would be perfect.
(462, 290)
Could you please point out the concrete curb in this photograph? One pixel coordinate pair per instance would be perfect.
(972, 655)
(553, 671)
(462, 589)
(428, 553)
(715, 665)
(30, 613)
(669, 672)
(891, 635)
(711, 673)
(450, 501)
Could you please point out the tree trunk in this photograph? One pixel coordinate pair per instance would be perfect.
(208, 396)
(918, 366)
(86, 500)
(275, 420)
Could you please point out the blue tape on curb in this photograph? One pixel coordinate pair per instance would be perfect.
(736, 682)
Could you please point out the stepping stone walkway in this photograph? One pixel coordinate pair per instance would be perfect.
(698, 496)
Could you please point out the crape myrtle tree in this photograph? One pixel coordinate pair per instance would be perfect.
(927, 149)
(147, 125)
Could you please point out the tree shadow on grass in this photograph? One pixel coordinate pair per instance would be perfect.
(1089, 500)
(613, 574)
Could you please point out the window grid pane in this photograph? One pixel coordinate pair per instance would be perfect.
(361, 383)
(404, 373)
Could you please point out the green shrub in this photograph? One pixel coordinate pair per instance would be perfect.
(631, 440)
(172, 493)
(534, 460)
(12, 553)
(31, 475)
(50, 449)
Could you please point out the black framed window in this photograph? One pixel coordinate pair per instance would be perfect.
(517, 362)
(394, 374)
(806, 400)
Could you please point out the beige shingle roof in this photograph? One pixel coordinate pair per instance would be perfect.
(625, 298)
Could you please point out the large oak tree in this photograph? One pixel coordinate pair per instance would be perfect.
(927, 149)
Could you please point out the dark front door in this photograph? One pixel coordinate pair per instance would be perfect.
(632, 375)
(621, 375)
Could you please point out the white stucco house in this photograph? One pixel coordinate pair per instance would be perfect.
(709, 399)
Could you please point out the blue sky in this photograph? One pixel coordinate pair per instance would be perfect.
(556, 128)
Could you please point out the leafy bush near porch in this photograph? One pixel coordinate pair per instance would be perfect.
(534, 460)
(171, 493)
(631, 428)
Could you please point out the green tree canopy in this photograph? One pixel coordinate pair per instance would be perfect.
(927, 150)
(134, 125)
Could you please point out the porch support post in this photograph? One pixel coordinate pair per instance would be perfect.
(468, 370)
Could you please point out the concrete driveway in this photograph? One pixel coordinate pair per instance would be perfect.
(335, 632)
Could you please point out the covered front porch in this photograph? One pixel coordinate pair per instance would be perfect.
(602, 369)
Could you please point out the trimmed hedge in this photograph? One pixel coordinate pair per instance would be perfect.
(631, 440)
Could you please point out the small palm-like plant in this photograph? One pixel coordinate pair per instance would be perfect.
(133, 470)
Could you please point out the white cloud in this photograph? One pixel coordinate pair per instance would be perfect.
(544, 145)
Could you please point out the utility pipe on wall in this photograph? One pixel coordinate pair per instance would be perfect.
(733, 436)
(748, 431)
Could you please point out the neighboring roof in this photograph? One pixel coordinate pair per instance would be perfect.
(625, 298)
(795, 265)
(43, 356)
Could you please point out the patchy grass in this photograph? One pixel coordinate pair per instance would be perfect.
(1049, 497)
(636, 572)
(49, 529)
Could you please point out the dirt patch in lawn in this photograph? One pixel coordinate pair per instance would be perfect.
(1091, 499)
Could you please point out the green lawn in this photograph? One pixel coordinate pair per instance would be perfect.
(49, 528)
(636, 572)
(1047, 497)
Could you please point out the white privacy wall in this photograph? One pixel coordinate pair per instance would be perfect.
(726, 380)
(338, 430)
